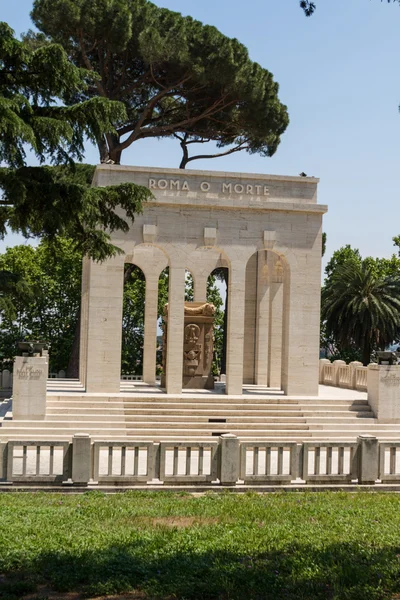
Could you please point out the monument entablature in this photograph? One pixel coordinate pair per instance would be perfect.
(266, 230)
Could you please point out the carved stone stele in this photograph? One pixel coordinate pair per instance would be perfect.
(198, 345)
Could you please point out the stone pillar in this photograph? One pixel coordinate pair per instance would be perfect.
(150, 330)
(250, 321)
(229, 464)
(301, 323)
(383, 385)
(275, 321)
(29, 387)
(176, 303)
(235, 337)
(200, 288)
(81, 458)
(104, 326)
(262, 318)
(84, 320)
(368, 459)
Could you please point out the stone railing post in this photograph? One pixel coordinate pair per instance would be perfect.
(336, 366)
(368, 459)
(322, 363)
(353, 373)
(81, 458)
(229, 459)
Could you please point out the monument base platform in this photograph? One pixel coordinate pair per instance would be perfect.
(140, 412)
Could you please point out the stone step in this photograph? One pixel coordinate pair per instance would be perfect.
(196, 407)
(134, 425)
(164, 416)
(203, 400)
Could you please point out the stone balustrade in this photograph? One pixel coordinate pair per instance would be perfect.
(222, 462)
(338, 374)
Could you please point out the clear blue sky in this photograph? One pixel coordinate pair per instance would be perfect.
(339, 75)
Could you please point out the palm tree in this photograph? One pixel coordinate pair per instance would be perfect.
(361, 308)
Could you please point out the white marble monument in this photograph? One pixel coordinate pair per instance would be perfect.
(265, 229)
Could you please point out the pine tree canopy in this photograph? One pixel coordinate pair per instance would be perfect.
(50, 201)
(309, 7)
(175, 76)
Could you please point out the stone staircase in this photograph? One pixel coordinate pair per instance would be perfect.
(196, 417)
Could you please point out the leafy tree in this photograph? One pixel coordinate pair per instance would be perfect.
(340, 257)
(214, 296)
(310, 7)
(45, 201)
(361, 308)
(175, 76)
(46, 306)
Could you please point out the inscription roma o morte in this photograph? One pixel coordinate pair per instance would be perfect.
(204, 186)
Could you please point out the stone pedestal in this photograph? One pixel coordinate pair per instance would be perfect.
(198, 346)
(29, 387)
(384, 392)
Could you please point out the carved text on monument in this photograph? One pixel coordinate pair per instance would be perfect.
(391, 380)
(29, 373)
(205, 186)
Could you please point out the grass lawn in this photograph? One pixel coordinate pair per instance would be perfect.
(225, 546)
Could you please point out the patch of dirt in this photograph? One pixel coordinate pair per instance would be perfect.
(178, 522)
(44, 593)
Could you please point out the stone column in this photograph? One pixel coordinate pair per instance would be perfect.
(150, 329)
(235, 337)
(250, 321)
(104, 325)
(275, 321)
(200, 288)
(176, 303)
(301, 323)
(84, 320)
(262, 318)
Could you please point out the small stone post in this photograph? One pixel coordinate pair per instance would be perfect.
(229, 463)
(29, 387)
(353, 373)
(336, 366)
(81, 458)
(322, 363)
(368, 459)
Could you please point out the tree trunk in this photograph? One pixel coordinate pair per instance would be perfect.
(366, 353)
(185, 156)
(103, 150)
(113, 149)
(73, 363)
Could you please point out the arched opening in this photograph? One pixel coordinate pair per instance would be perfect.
(263, 319)
(189, 286)
(133, 322)
(217, 294)
(163, 283)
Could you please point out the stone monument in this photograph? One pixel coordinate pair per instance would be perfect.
(30, 374)
(384, 392)
(266, 230)
(198, 345)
